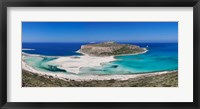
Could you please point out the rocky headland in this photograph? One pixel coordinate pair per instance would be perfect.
(110, 49)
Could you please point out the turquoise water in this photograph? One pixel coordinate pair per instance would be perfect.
(42, 64)
(160, 57)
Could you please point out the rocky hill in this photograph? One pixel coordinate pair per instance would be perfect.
(110, 49)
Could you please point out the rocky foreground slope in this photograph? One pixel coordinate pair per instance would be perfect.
(110, 49)
(163, 80)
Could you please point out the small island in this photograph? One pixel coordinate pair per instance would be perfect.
(110, 49)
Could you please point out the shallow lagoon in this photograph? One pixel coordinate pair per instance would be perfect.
(160, 57)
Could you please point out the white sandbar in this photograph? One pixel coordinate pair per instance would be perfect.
(27, 49)
(73, 64)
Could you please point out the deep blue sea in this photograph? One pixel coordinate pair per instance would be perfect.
(160, 57)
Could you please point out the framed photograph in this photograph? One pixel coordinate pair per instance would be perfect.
(100, 54)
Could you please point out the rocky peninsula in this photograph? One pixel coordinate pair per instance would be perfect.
(110, 49)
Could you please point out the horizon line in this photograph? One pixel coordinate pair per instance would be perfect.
(105, 41)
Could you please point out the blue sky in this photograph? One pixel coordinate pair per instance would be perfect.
(99, 31)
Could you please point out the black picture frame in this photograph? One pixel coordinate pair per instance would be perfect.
(99, 3)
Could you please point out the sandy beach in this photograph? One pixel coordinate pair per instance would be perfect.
(74, 63)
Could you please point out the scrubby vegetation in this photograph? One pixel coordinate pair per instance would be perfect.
(164, 80)
(110, 49)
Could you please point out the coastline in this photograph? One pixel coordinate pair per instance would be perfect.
(74, 77)
(78, 51)
(134, 53)
(95, 61)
